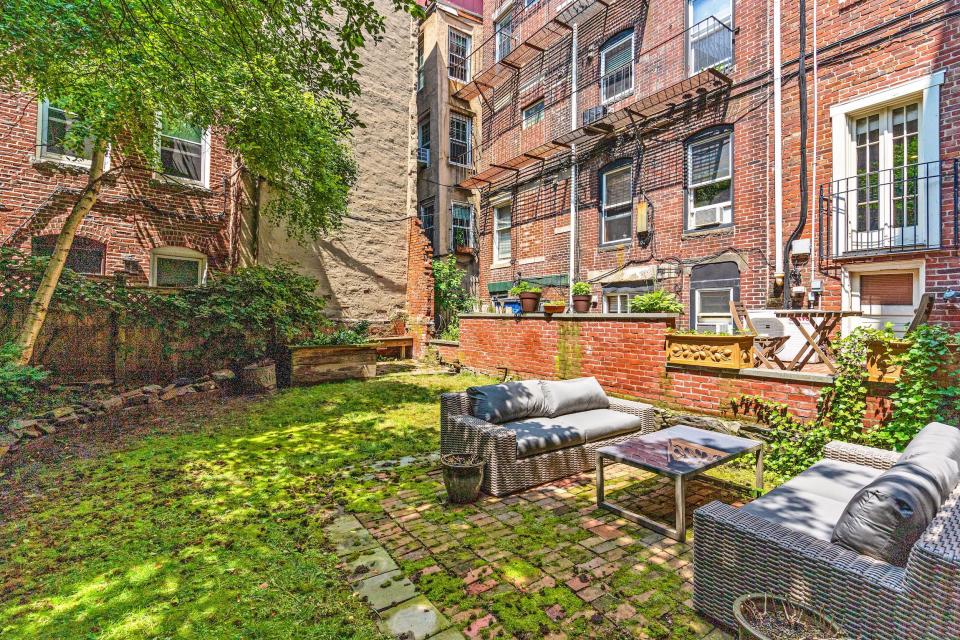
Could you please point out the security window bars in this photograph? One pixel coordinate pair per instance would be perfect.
(460, 143)
(709, 181)
(501, 233)
(616, 68)
(182, 151)
(428, 219)
(462, 219)
(458, 55)
(617, 201)
(533, 114)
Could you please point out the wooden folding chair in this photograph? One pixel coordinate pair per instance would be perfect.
(923, 311)
(765, 347)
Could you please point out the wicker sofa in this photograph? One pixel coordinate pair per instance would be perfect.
(510, 465)
(775, 547)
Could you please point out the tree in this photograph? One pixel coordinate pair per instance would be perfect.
(274, 76)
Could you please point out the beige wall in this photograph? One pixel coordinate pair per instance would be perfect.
(362, 268)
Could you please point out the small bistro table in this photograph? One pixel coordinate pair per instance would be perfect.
(817, 343)
(679, 452)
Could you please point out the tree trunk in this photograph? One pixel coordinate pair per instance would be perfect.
(37, 313)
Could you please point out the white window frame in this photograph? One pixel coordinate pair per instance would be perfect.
(422, 125)
(466, 57)
(538, 118)
(926, 90)
(850, 289)
(421, 61)
(204, 181)
(729, 326)
(498, 229)
(499, 54)
(43, 108)
(690, 24)
(469, 141)
(178, 253)
(623, 302)
(603, 68)
(453, 224)
(604, 205)
(726, 208)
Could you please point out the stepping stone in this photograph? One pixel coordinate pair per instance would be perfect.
(386, 590)
(349, 536)
(369, 563)
(416, 617)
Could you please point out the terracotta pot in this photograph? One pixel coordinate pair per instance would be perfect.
(821, 626)
(554, 308)
(581, 304)
(529, 301)
(462, 476)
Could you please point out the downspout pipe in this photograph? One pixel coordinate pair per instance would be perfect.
(804, 187)
(572, 271)
(777, 144)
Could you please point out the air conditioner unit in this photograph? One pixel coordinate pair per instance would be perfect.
(593, 114)
(707, 217)
(423, 155)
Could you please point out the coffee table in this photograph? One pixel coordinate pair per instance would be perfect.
(679, 452)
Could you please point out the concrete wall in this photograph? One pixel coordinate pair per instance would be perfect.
(362, 268)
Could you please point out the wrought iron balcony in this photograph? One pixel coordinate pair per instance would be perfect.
(908, 208)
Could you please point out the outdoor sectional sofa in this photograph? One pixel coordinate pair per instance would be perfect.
(534, 431)
(786, 542)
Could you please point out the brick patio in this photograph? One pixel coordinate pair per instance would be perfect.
(546, 563)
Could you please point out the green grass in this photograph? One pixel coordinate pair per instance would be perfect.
(215, 532)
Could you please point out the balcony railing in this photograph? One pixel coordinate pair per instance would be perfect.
(617, 84)
(907, 208)
(709, 45)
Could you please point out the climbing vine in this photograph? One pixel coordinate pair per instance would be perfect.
(792, 444)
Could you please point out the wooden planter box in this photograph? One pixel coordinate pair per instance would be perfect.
(310, 365)
(879, 368)
(717, 351)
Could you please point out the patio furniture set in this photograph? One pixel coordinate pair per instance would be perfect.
(869, 537)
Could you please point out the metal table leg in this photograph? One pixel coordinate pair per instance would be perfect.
(759, 478)
(680, 493)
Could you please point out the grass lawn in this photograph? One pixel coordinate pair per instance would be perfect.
(212, 529)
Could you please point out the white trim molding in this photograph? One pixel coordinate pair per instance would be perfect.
(178, 253)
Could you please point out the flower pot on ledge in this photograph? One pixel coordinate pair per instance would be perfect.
(529, 301)
(708, 350)
(581, 304)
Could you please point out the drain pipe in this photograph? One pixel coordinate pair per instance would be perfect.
(777, 147)
(804, 187)
(571, 273)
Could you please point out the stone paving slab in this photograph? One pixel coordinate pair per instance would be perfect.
(416, 618)
(349, 536)
(385, 590)
(369, 563)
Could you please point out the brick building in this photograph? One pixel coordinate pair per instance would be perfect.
(666, 126)
(166, 229)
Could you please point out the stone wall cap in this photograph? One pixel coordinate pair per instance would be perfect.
(657, 317)
(444, 343)
(794, 376)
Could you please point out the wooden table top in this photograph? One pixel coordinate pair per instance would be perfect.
(815, 313)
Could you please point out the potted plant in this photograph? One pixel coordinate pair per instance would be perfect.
(658, 301)
(554, 306)
(708, 349)
(767, 617)
(529, 296)
(462, 476)
(342, 354)
(582, 297)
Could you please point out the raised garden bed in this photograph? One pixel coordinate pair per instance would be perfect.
(881, 369)
(314, 364)
(710, 350)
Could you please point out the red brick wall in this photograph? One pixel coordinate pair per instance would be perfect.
(136, 213)
(419, 286)
(628, 357)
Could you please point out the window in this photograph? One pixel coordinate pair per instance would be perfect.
(177, 267)
(710, 37)
(886, 289)
(184, 152)
(458, 55)
(529, 3)
(616, 67)
(462, 220)
(616, 190)
(616, 298)
(530, 76)
(709, 180)
(501, 233)
(428, 219)
(420, 62)
(55, 123)
(86, 255)
(616, 303)
(460, 146)
(533, 114)
(713, 310)
(504, 41)
(423, 141)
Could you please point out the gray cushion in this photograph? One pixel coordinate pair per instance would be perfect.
(813, 502)
(887, 516)
(937, 438)
(499, 403)
(944, 471)
(571, 396)
(542, 435)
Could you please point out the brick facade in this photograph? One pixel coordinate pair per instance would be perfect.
(908, 45)
(136, 212)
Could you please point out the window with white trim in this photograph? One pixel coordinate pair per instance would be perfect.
(533, 114)
(420, 62)
(504, 40)
(616, 204)
(461, 216)
(460, 141)
(502, 248)
(710, 181)
(185, 152)
(55, 123)
(710, 36)
(423, 141)
(458, 55)
(616, 298)
(177, 267)
(616, 68)
(713, 310)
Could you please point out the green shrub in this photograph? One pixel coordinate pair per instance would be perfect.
(358, 334)
(451, 295)
(451, 333)
(582, 289)
(524, 287)
(792, 444)
(17, 382)
(658, 301)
